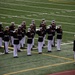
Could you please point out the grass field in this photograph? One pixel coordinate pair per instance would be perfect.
(63, 12)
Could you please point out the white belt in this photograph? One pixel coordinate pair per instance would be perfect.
(6, 35)
(59, 34)
(15, 39)
(49, 34)
(29, 38)
(41, 36)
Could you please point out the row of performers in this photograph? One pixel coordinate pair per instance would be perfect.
(17, 36)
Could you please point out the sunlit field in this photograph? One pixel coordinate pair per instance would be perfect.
(63, 12)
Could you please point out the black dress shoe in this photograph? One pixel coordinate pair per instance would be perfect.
(22, 48)
(33, 46)
(40, 52)
(19, 50)
(43, 47)
(43, 44)
(58, 50)
(53, 45)
(16, 57)
(29, 55)
(11, 45)
(6, 53)
(24, 45)
(50, 51)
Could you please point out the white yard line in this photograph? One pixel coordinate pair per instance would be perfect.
(2, 53)
(69, 32)
(45, 3)
(36, 6)
(67, 43)
(39, 13)
(35, 18)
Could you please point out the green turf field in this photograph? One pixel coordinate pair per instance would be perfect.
(63, 12)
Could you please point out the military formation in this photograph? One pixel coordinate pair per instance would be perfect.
(17, 37)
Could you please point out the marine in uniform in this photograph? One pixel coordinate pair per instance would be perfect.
(20, 38)
(43, 25)
(74, 47)
(23, 36)
(6, 39)
(44, 29)
(34, 25)
(16, 43)
(41, 34)
(11, 29)
(59, 37)
(53, 24)
(24, 30)
(24, 24)
(1, 35)
(50, 38)
(42, 22)
(33, 28)
(29, 41)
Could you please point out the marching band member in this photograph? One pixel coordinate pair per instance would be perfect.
(33, 34)
(74, 47)
(33, 28)
(16, 43)
(1, 35)
(44, 29)
(24, 24)
(34, 25)
(29, 41)
(53, 24)
(23, 36)
(41, 34)
(42, 22)
(50, 38)
(24, 30)
(43, 25)
(6, 39)
(11, 29)
(1, 27)
(59, 37)
(20, 38)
